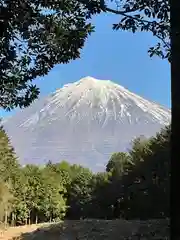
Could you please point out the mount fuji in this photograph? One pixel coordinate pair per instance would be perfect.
(84, 123)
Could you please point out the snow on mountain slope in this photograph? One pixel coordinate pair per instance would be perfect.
(83, 122)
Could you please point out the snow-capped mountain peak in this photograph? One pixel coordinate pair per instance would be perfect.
(84, 122)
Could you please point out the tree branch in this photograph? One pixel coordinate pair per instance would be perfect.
(124, 13)
(119, 12)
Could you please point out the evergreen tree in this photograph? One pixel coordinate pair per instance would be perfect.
(6, 201)
(8, 161)
(9, 168)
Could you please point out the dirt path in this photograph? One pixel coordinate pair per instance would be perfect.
(13, 232)
(89, 229)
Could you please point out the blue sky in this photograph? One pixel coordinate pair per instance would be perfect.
(118, 56)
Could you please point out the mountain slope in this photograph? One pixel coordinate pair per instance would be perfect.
(83, 122)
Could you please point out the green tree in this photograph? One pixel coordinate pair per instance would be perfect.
(119, 164)
(145, 190)
(64, 171)
(36, 35)
(79, 194)
(34, 192)
(6, 200)
(100, 205)
(54, 191)
(9, 174)
(39, 195)
(8, 160)
(20, 211)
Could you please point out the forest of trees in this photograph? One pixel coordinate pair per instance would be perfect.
(135, 185)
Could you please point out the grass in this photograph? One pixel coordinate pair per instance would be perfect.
(93, 229)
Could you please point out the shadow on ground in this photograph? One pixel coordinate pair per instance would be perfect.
(101, 230)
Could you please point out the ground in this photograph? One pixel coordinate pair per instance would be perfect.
(91, 229)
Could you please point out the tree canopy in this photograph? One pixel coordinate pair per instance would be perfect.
(37, 35)
(119, 163)
(145, 16)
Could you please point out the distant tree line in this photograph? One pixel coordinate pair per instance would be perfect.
(135, 185)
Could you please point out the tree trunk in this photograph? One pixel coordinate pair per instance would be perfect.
(175, 98)
(12, 219)
(36, 218)
(6, 218)
(29, 220)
